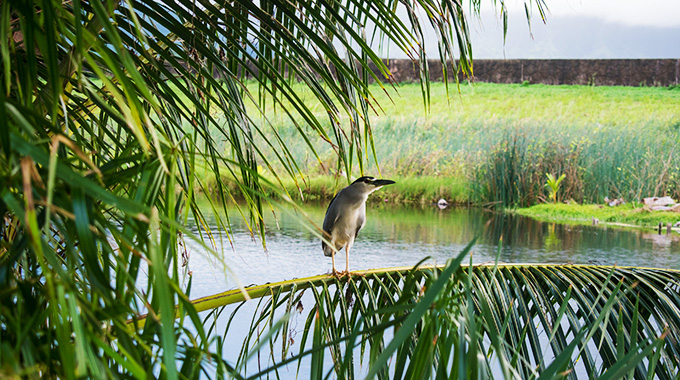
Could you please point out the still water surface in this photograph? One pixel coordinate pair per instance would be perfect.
(398, 236)
(402, 236)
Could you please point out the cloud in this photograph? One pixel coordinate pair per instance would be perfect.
(569, 36)
(586, 29)
(655, 13)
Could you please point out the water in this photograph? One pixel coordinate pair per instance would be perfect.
(402, 236)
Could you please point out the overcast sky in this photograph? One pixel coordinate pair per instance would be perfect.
(658, 13)
(580, 29)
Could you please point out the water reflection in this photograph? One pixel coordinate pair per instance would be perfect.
(525, 239)
(402, 236)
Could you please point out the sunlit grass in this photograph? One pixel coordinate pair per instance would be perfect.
(630, 213)
(620, 141)
(611, 105)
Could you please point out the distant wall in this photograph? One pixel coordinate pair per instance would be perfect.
(599, 72)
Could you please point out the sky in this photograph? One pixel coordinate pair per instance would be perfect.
(658, 13)
(579, 29)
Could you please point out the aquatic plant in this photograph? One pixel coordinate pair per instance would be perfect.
(596, 163)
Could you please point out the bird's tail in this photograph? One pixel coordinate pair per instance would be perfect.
(327, 250)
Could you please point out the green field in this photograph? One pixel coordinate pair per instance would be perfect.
(495, 143)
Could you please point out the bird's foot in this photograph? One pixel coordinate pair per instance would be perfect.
(348, 274)
(340, 274)
(337, 273)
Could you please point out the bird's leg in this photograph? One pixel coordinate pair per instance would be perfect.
(347, 272)
(335, 271)
(348, 247)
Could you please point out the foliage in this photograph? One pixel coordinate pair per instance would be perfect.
(112, 112)
(553, 186)
(486, 321)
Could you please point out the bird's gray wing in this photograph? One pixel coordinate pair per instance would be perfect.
(361, 221)
(331, 216)
(328, 221)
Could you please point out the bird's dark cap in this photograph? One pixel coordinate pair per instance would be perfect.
(373, 181)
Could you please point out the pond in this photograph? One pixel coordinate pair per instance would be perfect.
(396, 236)
(404, 235)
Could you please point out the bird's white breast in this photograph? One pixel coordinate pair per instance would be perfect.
(348, 222)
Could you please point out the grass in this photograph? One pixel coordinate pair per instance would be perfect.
(561, 104)
(608, 141)
(630, 213)
(425, 189)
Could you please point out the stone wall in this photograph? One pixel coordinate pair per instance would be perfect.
(600, 72)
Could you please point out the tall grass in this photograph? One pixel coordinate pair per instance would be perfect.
(597, 162)
(495, 143)
(505, 161)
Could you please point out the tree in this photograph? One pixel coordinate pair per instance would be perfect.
(111, 114)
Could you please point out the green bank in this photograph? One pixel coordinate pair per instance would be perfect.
(629, 214)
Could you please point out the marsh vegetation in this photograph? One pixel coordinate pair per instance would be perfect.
(495, 143)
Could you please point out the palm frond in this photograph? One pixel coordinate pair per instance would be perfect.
(510, 321)
(112, 111)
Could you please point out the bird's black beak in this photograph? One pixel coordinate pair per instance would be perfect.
(382, 182)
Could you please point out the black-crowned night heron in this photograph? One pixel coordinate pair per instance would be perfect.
(346, 215)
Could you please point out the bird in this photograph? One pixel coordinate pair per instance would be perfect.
(346, 215)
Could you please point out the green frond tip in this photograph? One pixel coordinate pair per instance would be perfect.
(540, 319)
(553, 185)
(258, 291)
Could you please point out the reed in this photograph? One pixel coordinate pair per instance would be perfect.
(597, 163)
(501, 161)
(496, 143)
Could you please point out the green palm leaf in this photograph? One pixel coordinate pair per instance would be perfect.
(472, 321)
(112, 112)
